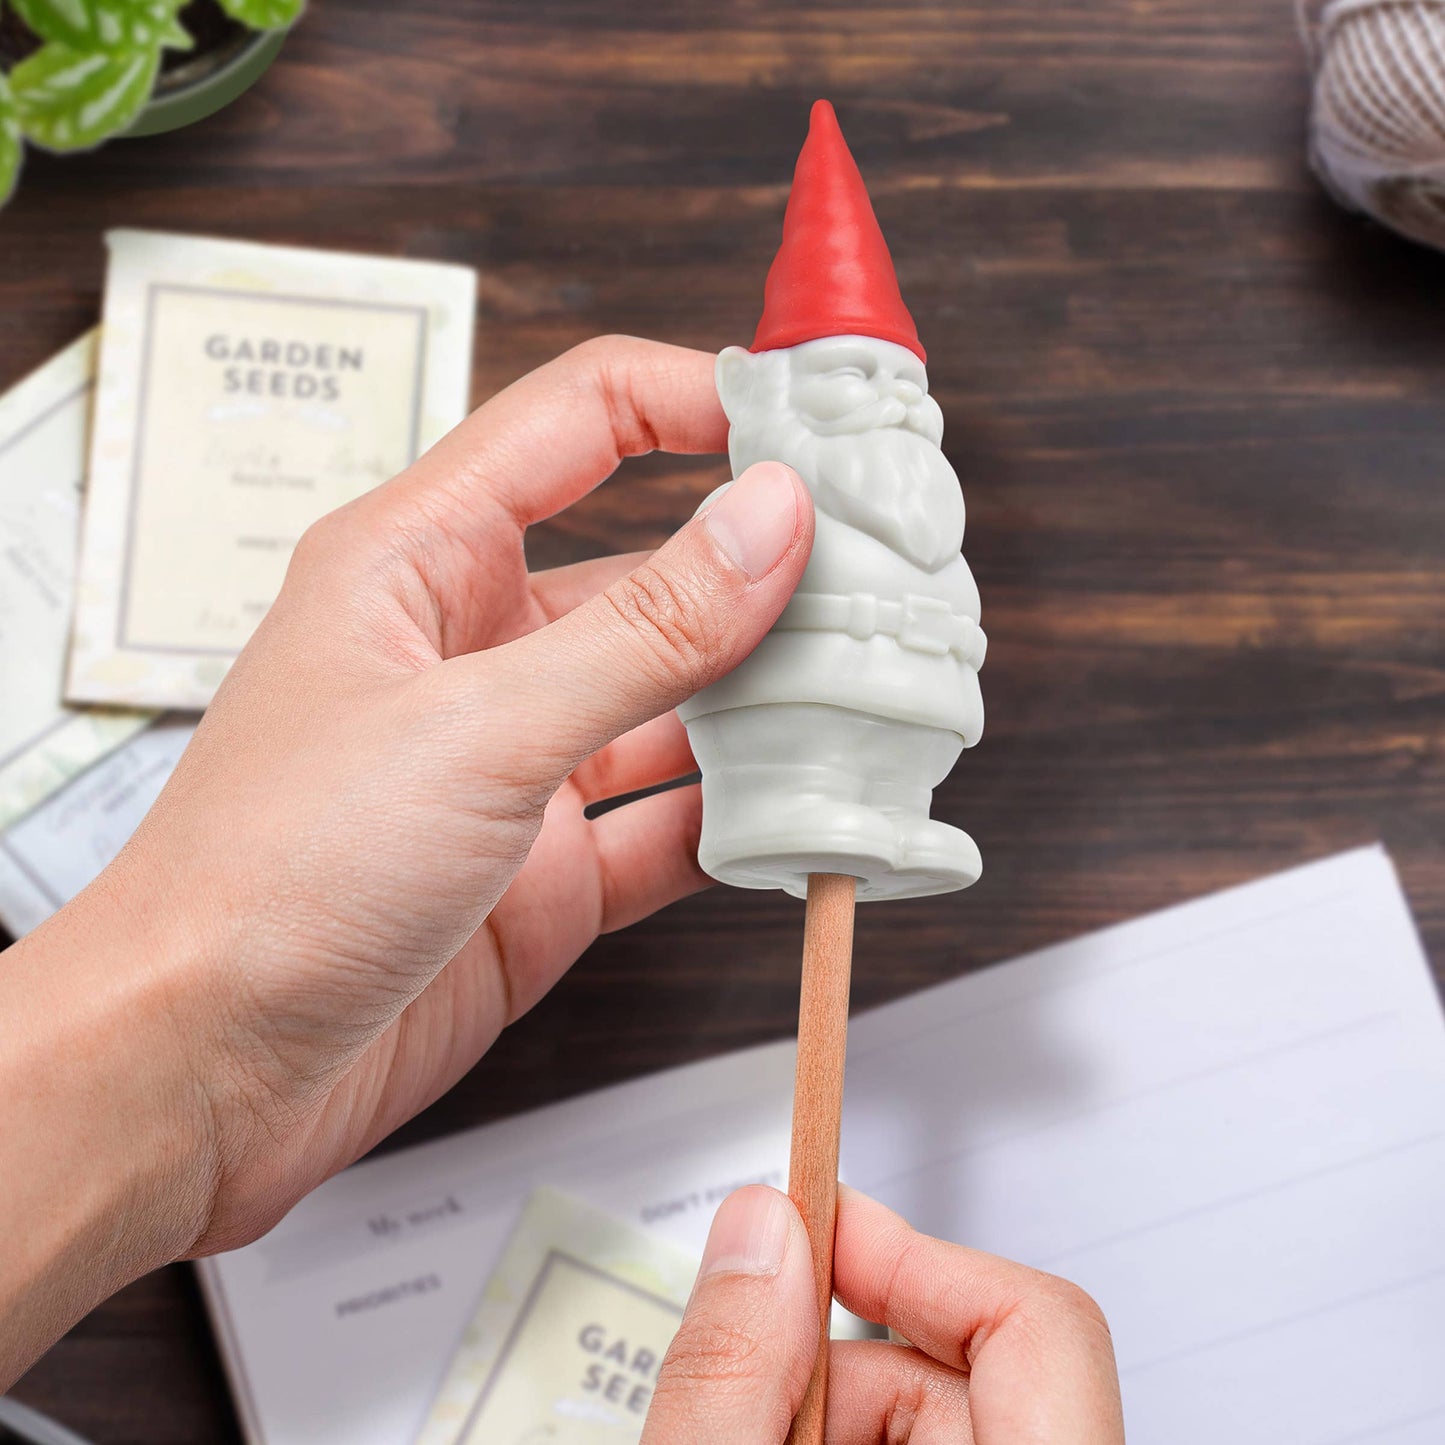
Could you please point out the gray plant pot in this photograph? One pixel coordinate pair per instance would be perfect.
(201, 87)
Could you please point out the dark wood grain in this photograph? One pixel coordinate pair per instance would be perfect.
(1197, 411)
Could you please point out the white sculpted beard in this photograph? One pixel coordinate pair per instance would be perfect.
(888, 481)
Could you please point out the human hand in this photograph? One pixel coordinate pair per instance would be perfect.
(1000, 1355)
(374, 855)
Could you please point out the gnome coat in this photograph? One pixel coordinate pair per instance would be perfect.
(870, 628)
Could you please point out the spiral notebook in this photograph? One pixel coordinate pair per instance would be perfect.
(1225, 1120)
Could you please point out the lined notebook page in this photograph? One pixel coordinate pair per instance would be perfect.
(1227, 1122)
(1224, 1120)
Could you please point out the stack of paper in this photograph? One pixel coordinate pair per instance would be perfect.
(63, 842)
(43, 429)
(1226, 1121)
(243, 391)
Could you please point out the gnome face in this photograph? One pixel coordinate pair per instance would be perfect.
(852, 416)
(834, 383)
(855, 384)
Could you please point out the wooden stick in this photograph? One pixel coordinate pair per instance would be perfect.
(818, 1107)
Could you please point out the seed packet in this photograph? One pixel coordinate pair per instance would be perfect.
(245, 390)
(570, 1333)
(44, 428)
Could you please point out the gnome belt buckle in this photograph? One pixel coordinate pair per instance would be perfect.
(862, 620)
(920, 624)
(927, 625)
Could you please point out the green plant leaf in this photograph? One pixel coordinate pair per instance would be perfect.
(264, 14)
(104, 24)
(176, 37)
(11, 145)
(71, 100)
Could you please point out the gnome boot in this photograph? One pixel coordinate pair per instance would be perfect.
(769, 826)
(791, 789)
(907, 762)
(783, 797)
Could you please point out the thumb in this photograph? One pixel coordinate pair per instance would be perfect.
(740, 1361)
(681, 620)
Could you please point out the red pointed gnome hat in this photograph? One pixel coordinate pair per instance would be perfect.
(832, 275)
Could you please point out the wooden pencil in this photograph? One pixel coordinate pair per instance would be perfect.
(818, 1107)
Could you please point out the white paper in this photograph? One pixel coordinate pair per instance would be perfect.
(245, 390)
(44, 430)
(339, 1325)
(58, 847)
(1226, 1120)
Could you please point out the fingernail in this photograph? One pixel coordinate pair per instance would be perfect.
(755, 519)
(749, 1233)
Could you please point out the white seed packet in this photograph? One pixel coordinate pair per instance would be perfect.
(245, 390)
(44, 430)
(569, 1336)
(60, 845)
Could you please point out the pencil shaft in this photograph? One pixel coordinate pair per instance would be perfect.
(818, 1107)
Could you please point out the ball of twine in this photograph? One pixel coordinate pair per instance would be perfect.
(1377, 122)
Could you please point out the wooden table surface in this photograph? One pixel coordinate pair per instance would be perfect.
(1197, 411)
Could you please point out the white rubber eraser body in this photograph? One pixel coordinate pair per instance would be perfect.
(820, 752)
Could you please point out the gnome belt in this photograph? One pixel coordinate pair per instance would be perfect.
(920, 624)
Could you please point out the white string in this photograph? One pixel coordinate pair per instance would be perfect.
(1377, 125)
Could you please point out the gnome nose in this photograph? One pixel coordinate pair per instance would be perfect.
(908, 392)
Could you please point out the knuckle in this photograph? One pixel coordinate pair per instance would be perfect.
(600, 364)
(908, 1263)
(611, 367)
(317, 544)
(599, 352)
(669, 619)
(340, 554)
(712, 1351)
(1077, 1306)
(905, 1412)
(346, 532)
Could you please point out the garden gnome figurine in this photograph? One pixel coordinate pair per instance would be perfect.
(820, 753)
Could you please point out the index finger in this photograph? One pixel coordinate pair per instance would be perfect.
(1036, 1348)
(554, 434)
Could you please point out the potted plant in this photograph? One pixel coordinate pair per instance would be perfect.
(74, 73)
